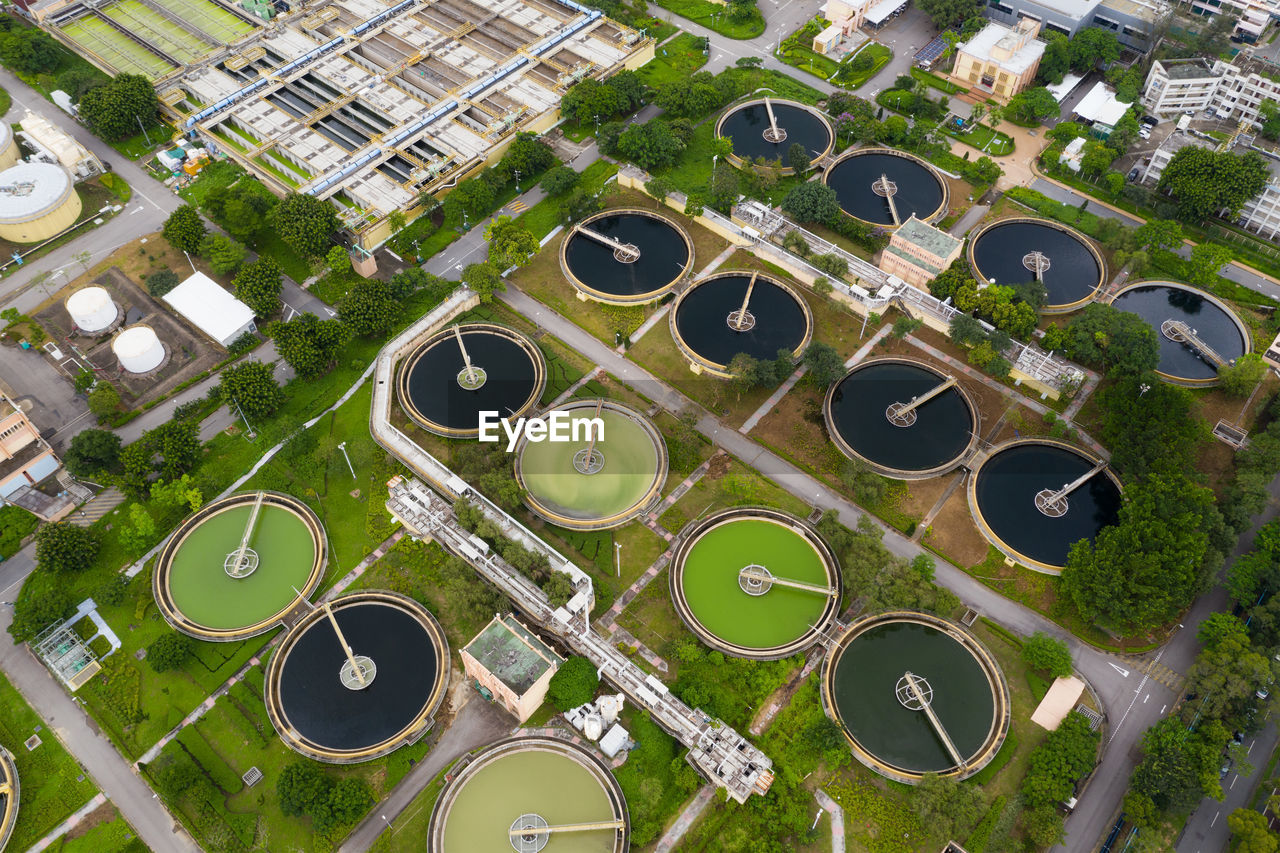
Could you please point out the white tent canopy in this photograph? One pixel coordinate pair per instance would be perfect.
(211, 309)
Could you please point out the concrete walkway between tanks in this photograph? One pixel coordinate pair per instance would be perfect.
(691, 813)
(837, 819)
(68, 824)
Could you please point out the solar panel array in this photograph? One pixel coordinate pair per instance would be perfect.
(932, 50)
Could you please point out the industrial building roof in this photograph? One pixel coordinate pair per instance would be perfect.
(924, 235)
(512, 653)
(1101, 107)
(1187, 69)
(34, 190)
(209, 307)
(991, 36)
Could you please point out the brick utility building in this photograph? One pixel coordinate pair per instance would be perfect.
(374, 106)
(917, 252)
(999, 60)
(507, 662)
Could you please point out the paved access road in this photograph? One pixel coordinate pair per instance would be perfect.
(96, 754)
(1206, 830)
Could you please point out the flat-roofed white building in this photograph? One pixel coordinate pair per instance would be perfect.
(211, 308)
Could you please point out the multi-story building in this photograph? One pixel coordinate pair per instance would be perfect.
(1000, 60)
(1252, 15)
(25, 460)
(1233, 91)
(917, 252)
(1131, 20)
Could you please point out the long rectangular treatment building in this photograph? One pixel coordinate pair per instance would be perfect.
(372, 104)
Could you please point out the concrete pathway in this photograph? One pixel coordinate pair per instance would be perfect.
(573, 389)
(681, 825)
(774, 399)
(68, 824)
(969, 219)
(837, 819)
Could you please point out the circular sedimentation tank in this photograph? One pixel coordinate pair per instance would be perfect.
(443, 395)
(642, 256)
(710, 326)
(1172, 309)
(530, 783)
(755, 582)
(1021, 249)
(326, 709)
(875, 680)
(871, 417)
(207, 588)
(12, 793)
(1015, 495)
(597, 480)
(748, 127)
(916, 187)
(40, 202)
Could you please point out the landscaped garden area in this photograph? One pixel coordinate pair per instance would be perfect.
(850, 72)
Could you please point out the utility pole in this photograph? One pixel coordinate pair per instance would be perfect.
(343, 447)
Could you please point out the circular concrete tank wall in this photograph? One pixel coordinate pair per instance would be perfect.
(39, 201)
(92, 310)
(139, 349)
(8, 146)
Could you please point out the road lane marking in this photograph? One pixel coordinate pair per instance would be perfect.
(1119, 669)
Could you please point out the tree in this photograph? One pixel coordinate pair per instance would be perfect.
(588, 99)
(63, 547)
(1056, 61)
(1152, 426)
(944, 13)
(798, 157)
(161, 282)
(1252, 832)
(121, 107)
(558, 589)
(302, 785)
(29, 51)
(338, 260)
(824, 363)
(1033, 105)
(1228, 671)
(258, 285)
(1122, 343)
(177, 442)
(1065, 755)
(1040, 651)
(812, 201)
(559, 180)
(184, 229)
(1092, 46)
(43, 600)
(137, 534)
(690, 96)
(650, 145)
(224, 254)
(527, 155)
(308, 344)
(305, 223)
(92, 451)
(369, 309)
(1206, 182)
(104, 400)
(510, 245)
(1178, 768)
(1269, 113)
(242, 209)
(1140, 572)
(1158, 235)
(252, 386)
(1240, 378)
(180, 493)
(348, 800)
(1065, 131)
(1097, 158)
(1207, 259)
(947, 806)
(575, 683)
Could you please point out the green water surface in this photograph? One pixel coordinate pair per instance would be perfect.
(630, 467)
(554, 786)
(781, 615)
(204, 592)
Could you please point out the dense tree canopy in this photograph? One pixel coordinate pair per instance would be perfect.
(169, 651)
(1227, 671)
(1120, 342)
(1252, 832)
(1205, 182)
(944, 13)
(510, 244)
(812, 201)
(184, 229)
(369, 308)
(258, 285)
(575, 683)
(1065, 755)
(308, 344)
(252, 386)
(1150, 426)
(1032, 105)
(120, 108)
(485, 279)
(305, 223)
(29, 51)
(1049, 654)
(92, 451)
(650, 145)
(63, 547)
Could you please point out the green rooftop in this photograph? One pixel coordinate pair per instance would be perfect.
(932, 240)
(511, 652)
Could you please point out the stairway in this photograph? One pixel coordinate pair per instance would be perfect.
(98, 507)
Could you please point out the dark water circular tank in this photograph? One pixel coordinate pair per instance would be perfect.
(429, 387)
(700, 318)
(942, 431)
(665, 256)
(920, 190)
(1074, 272)
(1004, 488)
(1214, 324)
(746, 125)
(329, 715)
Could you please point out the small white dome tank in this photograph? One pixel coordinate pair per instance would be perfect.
(92, 309)
(139, 349)
(593, 727)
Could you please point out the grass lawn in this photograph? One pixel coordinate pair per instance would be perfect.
(102, 831)
(795, 50)
(983, 138)
(53, 785)
(594, 551)
(138, 145)
(937, 82)
(730, 483)
(544, 216)
(673, 61)
(409, 833)
(5, 102)
(714, 16)
(850, 78)
(332, 286)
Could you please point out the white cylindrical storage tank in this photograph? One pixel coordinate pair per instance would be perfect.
(593, 727)
(37, 201)
(92, 309)
(139, 349)
(8, 146)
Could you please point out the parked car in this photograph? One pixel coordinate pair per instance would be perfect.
(1133, 173)
(1150, 121)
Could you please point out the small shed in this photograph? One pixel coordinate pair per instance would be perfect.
(1058, 702)
(209, 307)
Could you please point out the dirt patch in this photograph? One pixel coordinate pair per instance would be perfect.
(954, 535)
(921, 495)
(104, 813)
(718, 468)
